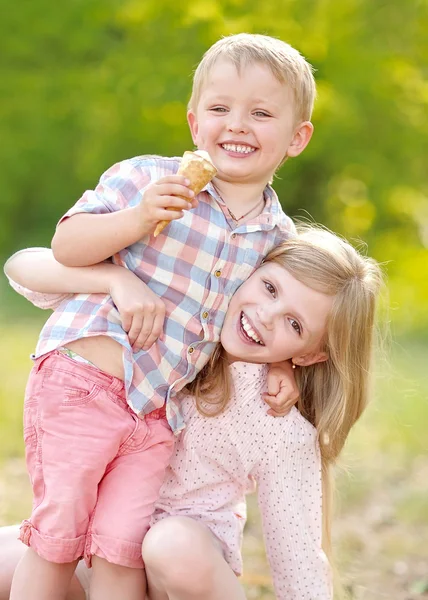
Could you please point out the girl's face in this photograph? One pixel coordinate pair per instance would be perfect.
(274, 317)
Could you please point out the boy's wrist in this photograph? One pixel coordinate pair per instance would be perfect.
(139, 224)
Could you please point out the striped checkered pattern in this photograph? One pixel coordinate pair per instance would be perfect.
(195, 265)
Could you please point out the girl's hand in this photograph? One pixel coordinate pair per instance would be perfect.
(283, 392)
(162, 196)
(141, 311)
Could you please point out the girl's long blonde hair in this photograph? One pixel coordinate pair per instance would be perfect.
(334, 393)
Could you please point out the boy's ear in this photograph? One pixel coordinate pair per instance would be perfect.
(193, 125)
(301, 138)
(310, 359)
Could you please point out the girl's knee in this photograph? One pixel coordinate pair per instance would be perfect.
(180, 551)
(168, 539)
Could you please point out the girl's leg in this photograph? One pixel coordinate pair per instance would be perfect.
(114, 582)
(53, 579)
(184, 562)
(11, 552)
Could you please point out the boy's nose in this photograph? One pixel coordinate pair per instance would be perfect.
(237, 123)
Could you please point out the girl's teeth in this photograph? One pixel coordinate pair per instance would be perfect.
(238, 148)
(249, 330)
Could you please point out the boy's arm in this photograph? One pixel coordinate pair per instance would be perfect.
(283, 391)
(125, 206)
(86, 239)
(141, 311)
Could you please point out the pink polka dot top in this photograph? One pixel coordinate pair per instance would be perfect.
(218, 460)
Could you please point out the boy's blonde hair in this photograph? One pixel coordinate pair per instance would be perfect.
(285, 62)
(334, 393)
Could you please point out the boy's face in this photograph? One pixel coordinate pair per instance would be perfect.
(245, 121)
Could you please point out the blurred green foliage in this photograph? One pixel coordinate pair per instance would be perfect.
(86, 83)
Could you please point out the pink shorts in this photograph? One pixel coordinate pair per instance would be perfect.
(95, 467)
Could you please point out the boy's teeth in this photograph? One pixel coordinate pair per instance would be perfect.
(249, 330)
(236, 148)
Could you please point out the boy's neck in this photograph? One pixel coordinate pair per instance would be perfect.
(240, 197)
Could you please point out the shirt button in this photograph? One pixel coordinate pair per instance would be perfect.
(233, 236)
(217, 273)
(191, 350)
(205, 315)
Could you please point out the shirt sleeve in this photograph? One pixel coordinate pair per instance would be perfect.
(290, 501)
(39, 299)
(120, 187)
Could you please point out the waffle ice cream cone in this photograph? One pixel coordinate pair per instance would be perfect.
(198, 168)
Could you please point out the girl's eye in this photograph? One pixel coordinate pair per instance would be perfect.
(296, 326)
(270, 288)
(261, 113)
(218, 109)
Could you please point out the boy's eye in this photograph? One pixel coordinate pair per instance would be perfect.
(261, 113)
(218, 109)
(270, 288)
(296, 326)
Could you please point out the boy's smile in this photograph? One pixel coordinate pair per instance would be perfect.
(245, 121)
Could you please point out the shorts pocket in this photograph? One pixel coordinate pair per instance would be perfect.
(75, 396)
(32, 451)
(69, 388)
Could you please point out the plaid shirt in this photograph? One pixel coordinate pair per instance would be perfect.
(195, 265)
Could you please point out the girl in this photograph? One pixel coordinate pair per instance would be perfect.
(312, 302)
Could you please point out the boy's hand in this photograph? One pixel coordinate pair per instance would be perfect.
(165, 193)
(141, 311)
(283, 392)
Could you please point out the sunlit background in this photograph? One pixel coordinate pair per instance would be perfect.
(86, 83)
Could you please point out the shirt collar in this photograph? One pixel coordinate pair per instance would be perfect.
(272, 214)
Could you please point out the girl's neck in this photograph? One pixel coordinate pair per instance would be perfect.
(240, 197)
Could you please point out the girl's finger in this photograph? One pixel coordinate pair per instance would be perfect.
(144, 332)
(134, 331)
(126, 320)
(156, 331)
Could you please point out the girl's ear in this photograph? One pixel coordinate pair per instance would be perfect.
(310, 359)
(193, 125)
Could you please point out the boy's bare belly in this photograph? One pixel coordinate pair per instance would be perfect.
(102, 351)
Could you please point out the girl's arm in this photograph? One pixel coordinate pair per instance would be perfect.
(289, 497)
(36, 274)
(36, 269)
(18, 270)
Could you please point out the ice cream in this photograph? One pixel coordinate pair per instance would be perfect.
(198, 168)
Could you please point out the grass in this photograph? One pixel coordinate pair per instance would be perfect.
(381, 525)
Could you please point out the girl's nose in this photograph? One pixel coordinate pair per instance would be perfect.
(266, 315)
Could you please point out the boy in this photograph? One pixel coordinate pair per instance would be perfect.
(250, 107)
